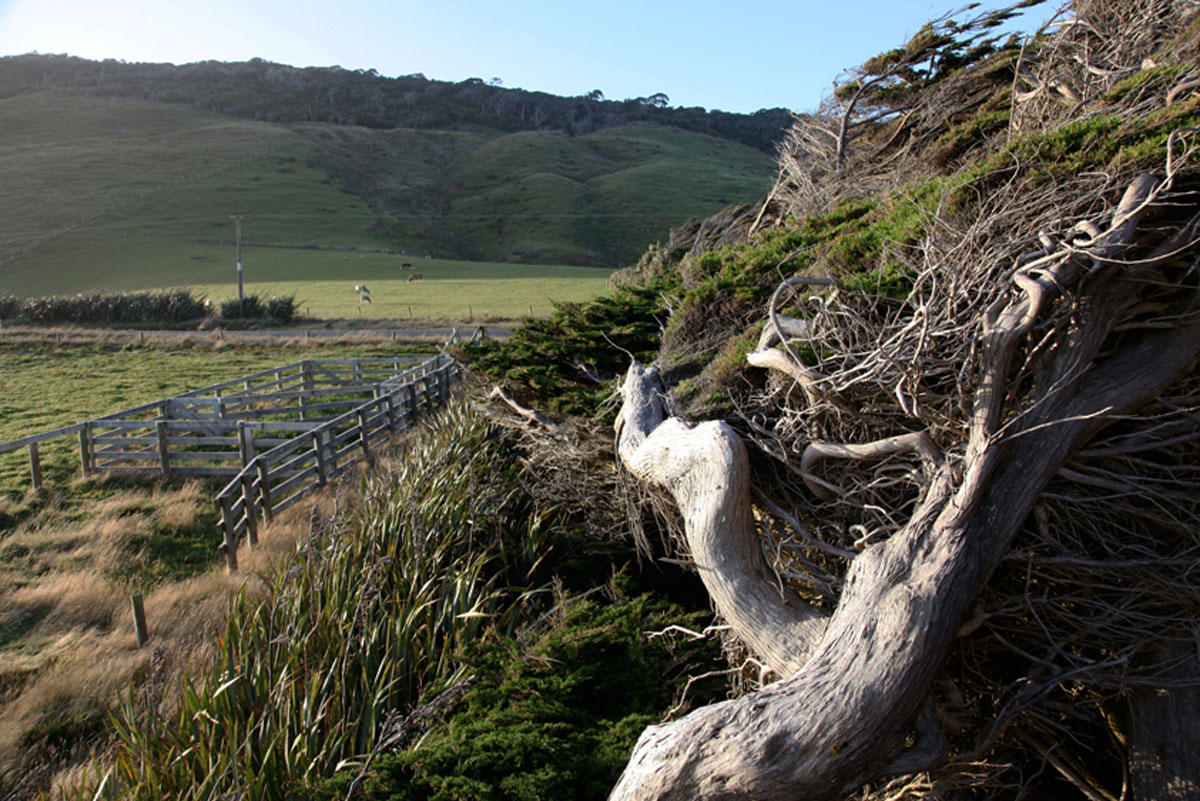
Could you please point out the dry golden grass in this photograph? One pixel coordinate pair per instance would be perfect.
(67, 643)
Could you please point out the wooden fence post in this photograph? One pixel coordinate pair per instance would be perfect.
(306, 384)
(245, 436)
(411, 391)
(85, 449)
(35, 465)
(444, 384)
(248, 508)
(229, 525)
(139, 619)
(390, 400)
(322, 472)
(164, 456)
(264, 489)
(362, 434)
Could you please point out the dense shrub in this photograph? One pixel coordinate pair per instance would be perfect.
(557, 718)
(175, 306)
(565, 361)
(277, 308)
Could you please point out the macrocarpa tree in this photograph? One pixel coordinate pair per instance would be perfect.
(1036, 386)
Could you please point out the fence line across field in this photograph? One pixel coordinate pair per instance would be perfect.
(278, 433)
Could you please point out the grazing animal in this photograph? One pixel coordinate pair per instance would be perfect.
(362, 288)
(407, 266)
(415, 277)
(364, 294)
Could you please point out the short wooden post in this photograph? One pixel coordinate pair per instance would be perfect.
(164, 456)
(230, 528)
(444, 384)
(139, 619)
(245, 436)
(470, 314)
(35, 465)
(319, 454)
(264, 489)
(331, 455)
(248, 507)
(411, 391)
(85, 449)
(410, 312)
(363, 433)
(390, 400)
(306, 384)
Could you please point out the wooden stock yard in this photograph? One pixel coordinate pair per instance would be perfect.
(279, 433)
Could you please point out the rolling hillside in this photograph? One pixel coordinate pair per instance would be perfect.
(116, 193)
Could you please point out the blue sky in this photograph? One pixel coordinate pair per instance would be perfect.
(734, 56)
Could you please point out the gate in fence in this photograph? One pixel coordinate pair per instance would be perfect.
(278, 434)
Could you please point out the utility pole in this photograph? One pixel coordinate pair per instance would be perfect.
(237, 220)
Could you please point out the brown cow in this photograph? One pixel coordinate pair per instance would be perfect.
(415, 277)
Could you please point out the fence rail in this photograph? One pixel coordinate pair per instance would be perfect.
(278, 434)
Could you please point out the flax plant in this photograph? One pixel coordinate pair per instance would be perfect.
(363, 618)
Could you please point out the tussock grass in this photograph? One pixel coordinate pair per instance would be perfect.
(348, 628)
(65, 629)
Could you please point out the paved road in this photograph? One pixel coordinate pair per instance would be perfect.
(436, 334)
(385, 333)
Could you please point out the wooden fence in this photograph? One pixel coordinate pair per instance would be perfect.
(274, 479)
(278, 433)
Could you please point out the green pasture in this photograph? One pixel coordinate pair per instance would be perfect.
(323, 281)
(68, 161)
(48, 385)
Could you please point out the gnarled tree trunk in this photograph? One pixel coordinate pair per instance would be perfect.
(854, 705)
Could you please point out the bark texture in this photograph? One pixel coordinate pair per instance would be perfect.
(1164, 731)
(706, 471)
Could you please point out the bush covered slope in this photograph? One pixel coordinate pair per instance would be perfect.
(863, 309)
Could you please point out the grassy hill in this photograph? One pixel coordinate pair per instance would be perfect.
(131, 194)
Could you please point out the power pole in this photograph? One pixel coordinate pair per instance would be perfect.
(237, 220)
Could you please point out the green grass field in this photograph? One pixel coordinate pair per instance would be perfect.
(45, 385)
(112, 195)
(323, 281)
